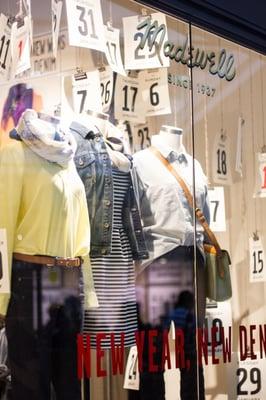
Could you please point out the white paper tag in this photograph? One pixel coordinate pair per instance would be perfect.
(113, 52)
(221, 165)
(141, 136)
(56, 17)
(27, 7)
(85, 24)
(20, 46)
(260, 189)
(107, 87)
(155, 91)
(239, 150)
(86, 92)
(126, 130)
(217, 209)
(5, 47)
(145, 32)
(129, 103)
(246, 378)
(4, 270)
(131, 379)
(257, 268)
(218, 315)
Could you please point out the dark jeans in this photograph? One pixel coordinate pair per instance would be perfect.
(42, 342)
(152, 385)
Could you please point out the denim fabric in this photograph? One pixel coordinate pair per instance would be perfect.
(95, 170)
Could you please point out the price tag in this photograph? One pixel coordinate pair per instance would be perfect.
(129, 104)
(131, 380)
(218, 315)
(85, 24)
(155, 91)
(86, 92)
(141, 136)
(113, 52)
(246, 379)
(221, 166)
(107, 87)
(260, 190)
(5, 46)
(257, 268)
(56, 17)
(4, 270)
(20, 46)
(217, 209)
(144, 39)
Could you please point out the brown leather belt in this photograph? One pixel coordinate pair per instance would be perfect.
(49, 261)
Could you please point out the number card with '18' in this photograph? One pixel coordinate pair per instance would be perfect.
(85, 24)
(257, 268)
(5, 47)
(221, 165)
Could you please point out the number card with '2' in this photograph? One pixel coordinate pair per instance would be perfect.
(257, 268)
(246, 379)
(85, 24)
(5, 48)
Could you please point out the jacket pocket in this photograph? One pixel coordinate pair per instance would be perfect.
(86, 167)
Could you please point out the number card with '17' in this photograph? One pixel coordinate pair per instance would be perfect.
(5, 47)
(85, 24)
(257, 270)
(129, 105)
(86, 92)
(221, 165)
(260, 190)
(113, 52)
(143, 43)
(246, 379)
(20, 46)
(217, 209)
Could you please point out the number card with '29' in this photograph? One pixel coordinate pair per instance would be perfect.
(5, 48)
(246, 379)
(257, 268)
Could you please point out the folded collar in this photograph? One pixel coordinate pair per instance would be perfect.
(180, 156)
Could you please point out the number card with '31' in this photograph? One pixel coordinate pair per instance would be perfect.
(5, 47)
(246, 379)
(257, 269)
(85, 24)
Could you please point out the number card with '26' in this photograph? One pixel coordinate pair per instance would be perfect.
(5, 48)
(246, 379)
(257, 269)
(107, 87)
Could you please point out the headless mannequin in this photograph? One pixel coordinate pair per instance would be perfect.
(172, 136)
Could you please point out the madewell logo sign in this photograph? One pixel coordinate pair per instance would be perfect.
(152, 35)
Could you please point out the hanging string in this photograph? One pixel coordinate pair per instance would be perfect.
(206, 136)
(111, 12)
(262, 101)
(221, 98)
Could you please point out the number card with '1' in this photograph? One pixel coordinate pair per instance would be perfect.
(246, 379)
(257, 271)
(5, 47)
(85, 24)
(113, 52)
(86, 92)
(260, 190)
(20, 46)
(4, 270)
(221, 164)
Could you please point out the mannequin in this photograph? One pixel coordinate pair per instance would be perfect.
(172, 136)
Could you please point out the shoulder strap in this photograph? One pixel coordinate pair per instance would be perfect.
(188, 195)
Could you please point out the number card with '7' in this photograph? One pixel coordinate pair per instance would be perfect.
(217, 209)
(86, 92)
(5, 48)
(257, 270)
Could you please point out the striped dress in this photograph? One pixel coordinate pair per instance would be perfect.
(114, 280)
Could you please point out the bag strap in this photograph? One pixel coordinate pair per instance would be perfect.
(188, 195)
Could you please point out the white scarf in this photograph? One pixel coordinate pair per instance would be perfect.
(40, 136)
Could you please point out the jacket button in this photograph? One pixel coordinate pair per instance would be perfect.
(81, 162)
(19, 237)
(103, 251)
(106, 225)
(133, 209)
(108, 203)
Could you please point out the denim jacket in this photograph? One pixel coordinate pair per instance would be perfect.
(94, 167)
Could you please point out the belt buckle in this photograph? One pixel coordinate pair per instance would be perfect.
(62, 262)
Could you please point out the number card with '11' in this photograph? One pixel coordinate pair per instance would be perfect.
(257, 270)
(5, 47)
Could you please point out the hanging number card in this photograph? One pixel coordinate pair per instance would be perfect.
(85, 24)
(155, 91)
(221, 165)
(141, 136)
(5, 46)
(260, 190)
(113, 52)
(86, 92)
(131, 380)
(107, 87)
(257, 268)
(217, 209)
(20, 46)
(129, 103)
(56, 17)
(4, 270)
(246, 378)
(144, 38)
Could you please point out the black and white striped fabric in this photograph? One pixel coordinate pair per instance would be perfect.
(114, 281)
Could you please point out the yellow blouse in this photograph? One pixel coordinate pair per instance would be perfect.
(44, 211)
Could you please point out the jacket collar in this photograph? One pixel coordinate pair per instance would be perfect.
(84, 131)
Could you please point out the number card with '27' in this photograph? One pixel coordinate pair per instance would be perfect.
(86, 92)
(85, 24)
(5, 47)
(246, 379)
(257, 269)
